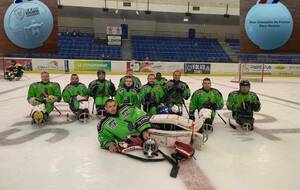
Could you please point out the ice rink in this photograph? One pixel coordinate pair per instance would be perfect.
(66, 155)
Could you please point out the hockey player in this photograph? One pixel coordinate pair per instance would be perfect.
(206, 100)
(136, 81)
(101, 90)
(76, 95)
(151, 95)
(42, 95)
(160, 80)
(128, 94)
(243, 103)
(14, 71)
(176, 92)
(121, 123)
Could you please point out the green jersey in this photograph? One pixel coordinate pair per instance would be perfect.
(40, 91)
(161, 82)
(243, 102)
(129, 121)
(136, 82)
(211, 99)
(176, 92)
(101, 90)
(151, 96)
(71, 92)
(128, 96)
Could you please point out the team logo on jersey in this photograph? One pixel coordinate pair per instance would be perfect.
(112, 124)
(125, 113)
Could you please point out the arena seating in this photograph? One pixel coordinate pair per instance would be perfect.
(263, 58)
(177, 49)
(79, 47)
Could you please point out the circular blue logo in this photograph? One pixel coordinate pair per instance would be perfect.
(29, 24)
(269, 26)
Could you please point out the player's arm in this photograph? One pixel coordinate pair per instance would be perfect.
(31, 95)
(186, 92)
(66, 94)
(219, 100)
(255, 102)
(57, 92)
(230, 102)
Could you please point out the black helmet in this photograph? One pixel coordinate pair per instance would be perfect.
(244, 83)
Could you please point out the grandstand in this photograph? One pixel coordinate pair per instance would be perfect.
(157, 48)
(263, 58)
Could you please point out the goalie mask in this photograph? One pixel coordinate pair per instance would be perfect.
(150, 148)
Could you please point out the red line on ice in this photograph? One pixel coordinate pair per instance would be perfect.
(193, 177)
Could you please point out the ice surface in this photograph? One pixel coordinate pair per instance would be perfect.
(67, 156)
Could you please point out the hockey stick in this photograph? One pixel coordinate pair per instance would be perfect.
(30, 113)
(93, 106)
(222, 118)
(187, 111)
(174, 163)
(59, 112)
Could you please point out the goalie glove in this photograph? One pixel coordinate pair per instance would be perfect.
(51, 99)
(131, 143)
(183, 151)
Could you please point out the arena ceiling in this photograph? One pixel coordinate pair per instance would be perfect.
(206, 3)
(69, 11)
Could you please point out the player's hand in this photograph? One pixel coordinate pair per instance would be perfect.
(51, 99)
(33, 101)
(112, 148)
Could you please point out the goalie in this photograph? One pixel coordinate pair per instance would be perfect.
(76, 95)
(15, 71)
(42, 96)
(120, 123)
(206, 100)
(243, 103)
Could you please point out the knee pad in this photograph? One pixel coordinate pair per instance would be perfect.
(38, 117)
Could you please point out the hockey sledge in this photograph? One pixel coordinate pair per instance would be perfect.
(242, 129)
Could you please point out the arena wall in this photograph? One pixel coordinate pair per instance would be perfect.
(145, 67)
